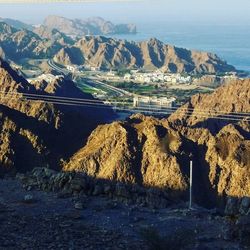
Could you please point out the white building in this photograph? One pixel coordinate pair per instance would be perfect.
(127, 77)
(72, 68)
(153, 102)
(48, 77)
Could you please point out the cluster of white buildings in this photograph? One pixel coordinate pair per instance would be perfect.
(157, 77)
(48, 77)
(74, 68)
(153, 102)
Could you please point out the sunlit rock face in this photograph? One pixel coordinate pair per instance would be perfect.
(35, 133)
(156, 153)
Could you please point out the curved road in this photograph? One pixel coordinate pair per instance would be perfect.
(118, 91)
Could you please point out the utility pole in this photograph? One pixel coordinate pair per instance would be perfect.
(190, 184)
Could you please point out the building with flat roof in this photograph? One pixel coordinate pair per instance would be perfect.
(151, 102)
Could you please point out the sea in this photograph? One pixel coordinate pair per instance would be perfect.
(230, 42)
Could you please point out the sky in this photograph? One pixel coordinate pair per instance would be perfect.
(193, 11)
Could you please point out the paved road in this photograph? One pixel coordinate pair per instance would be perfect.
(119, 92)
(55, 67)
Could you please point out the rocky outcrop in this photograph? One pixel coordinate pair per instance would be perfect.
(231, 100)
(71, 183)
(32, 132)
(156, 153)
(91, 26)
(137, 151)
(53, 35)
(2, 54)
(19, 44)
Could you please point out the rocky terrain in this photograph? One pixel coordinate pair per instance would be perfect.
(79, 214)
(90, 26)
(34, 132)
(149, 152)
(104, 53)
(53, 35)
(230, 98)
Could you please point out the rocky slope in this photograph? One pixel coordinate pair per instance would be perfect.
(18, 44)
(227, 100)
(16, 23)
(54, 35)
(35, 133)
(109, 53)
(91, 26)
(156, 153)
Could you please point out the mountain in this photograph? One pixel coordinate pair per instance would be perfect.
(53, 35)
(110, 53)
(16, 24)
(35, 133)
(105, 53)
(152, 152)
(91, 26)
(228, 99)
(141, 150)
(19, 44)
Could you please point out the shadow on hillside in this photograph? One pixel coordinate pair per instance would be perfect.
(215, 125)
(130, 193)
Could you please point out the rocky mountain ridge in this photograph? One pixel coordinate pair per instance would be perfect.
(105, 53)
(156, 153)
(34, 132)
(109, 53)
(90, 26)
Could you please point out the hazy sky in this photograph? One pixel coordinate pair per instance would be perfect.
(198, 11)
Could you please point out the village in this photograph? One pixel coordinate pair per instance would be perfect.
(149, 77)
(147, 90)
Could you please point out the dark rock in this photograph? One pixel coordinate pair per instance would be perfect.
(79, 205)
(232, 207)
(243, 226)
(121, 190)
(245, 205)
(28, 198)
(98, 189)
(78, 184)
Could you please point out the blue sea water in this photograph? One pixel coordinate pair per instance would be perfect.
(230, 42)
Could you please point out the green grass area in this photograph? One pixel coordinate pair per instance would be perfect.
(87, 89)
(182, 95)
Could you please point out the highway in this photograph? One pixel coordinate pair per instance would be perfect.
(55, 67)
(89, 80)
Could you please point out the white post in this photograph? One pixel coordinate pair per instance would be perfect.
(190, 184)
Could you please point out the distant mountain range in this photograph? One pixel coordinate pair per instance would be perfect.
(108, 53)
(90, 26)
(104, 53)
(77, 27)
